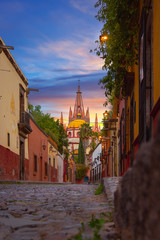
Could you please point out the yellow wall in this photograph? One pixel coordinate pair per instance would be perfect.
(128, 125)
(156, 49)
(9, 105)
(136, 99)
(52, 154)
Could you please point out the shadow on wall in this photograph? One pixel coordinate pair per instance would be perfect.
(137, 200)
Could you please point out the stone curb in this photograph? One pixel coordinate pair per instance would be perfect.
(110, 185)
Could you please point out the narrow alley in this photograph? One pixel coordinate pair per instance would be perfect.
(51, 212)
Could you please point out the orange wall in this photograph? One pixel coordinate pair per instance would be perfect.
(156, 49)
(36, 139)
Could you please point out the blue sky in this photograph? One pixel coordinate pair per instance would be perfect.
(52, 40)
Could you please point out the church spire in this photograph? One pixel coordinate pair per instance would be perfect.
(61, 118)
(70, 115)
(78, 107)
(79, 112)
(96, 123)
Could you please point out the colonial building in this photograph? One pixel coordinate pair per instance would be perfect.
(53, 160)
(76, 119)
(96, 164)
(14, 119)
(60, 167)
(38, 154)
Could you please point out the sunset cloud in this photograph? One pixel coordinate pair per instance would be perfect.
(52, 40)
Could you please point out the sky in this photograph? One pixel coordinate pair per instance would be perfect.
(52, 41)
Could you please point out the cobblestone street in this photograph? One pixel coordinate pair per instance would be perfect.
(51, 212)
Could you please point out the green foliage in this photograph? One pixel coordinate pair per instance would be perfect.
(51, 127)
(81, 153)
(120, 51)
(85, 131)
(109, 216)
(99, 190)
(96, 224)
(95, 135)
(81, 171)
(92, 145)
(85, 134)
(76, 158)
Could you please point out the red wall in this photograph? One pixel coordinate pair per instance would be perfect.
(10, 165)
(8, 162)
(53, 179)
(64, 169)
(36, 139)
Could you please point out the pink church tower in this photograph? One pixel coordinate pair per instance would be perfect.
(61, 118)
(79, 112)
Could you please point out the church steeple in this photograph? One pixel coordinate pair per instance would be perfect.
(96, 123)
(78, 112)
(61, 118)
(70, 114)
(78, 107)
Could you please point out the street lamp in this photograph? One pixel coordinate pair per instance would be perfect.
(105, 114)
(103, 38)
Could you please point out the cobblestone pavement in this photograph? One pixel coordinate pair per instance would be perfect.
(50, 212)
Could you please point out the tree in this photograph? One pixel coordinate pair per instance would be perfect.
(81, 171)
(51, 127)
(85, 131)
(120, 51)
(92, 145)
(81, 153)
(85, 134)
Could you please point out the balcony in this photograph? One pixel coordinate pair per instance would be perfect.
(24, 125)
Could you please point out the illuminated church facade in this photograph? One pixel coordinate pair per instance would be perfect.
(76, 119)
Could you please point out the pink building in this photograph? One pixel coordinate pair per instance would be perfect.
(38, 154)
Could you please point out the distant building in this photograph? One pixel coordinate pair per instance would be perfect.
(96, 165)
(79, 110)
(60, 167)
(38, 154)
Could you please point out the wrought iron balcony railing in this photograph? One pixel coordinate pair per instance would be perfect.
(24, 124)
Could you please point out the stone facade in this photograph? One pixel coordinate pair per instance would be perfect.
(137, 200)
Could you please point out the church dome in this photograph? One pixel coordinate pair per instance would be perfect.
(76, 123)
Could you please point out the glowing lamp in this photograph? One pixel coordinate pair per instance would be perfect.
(105, 114)
(103, 38)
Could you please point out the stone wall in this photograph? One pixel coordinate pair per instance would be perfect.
(137, 199)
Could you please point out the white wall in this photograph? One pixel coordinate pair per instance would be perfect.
(97, 152)
(59, 168)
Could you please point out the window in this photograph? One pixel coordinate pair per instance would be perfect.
(69, 134)
(54, 167)
(8, 139)
(46, 169)
(35, 163)
(78, 134)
